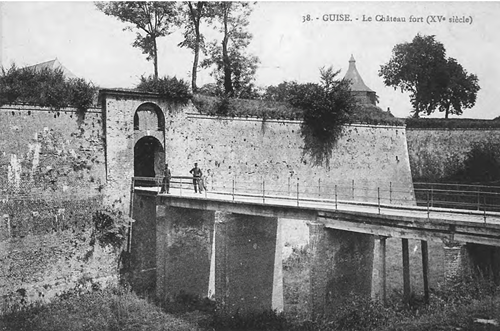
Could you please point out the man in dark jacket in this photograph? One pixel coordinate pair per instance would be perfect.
(166, 180)
(196, 172)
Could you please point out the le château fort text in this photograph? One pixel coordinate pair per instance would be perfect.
(388, 18)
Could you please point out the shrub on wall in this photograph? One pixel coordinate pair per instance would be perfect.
(327, 107)
(45, 88)
(169, 88)
(110, 228)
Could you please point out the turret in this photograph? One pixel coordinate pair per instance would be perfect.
(361, 92)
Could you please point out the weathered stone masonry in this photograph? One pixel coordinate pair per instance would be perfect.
(51, 181)
(440, 153)
(89, 160)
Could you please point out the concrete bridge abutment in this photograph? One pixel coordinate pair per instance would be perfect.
(141, 271)
(341, 266)
(248, 264)
(184, 250)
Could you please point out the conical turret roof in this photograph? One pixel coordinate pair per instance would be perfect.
(353, 75)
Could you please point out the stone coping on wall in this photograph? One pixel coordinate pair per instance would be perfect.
(17, 107)
(128, 93)
(282, 121)
(453, 129)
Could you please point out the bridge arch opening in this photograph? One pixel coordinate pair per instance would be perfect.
(149, 157)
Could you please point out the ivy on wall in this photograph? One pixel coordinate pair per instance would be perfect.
(110, 228)
(327, 108)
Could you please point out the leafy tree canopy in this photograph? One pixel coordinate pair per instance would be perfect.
(193, 15)
(151, 19)
(434, 81)
(243, 67)
(45, 88)
(460, 91)
(234, 68)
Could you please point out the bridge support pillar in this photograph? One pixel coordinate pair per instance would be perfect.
(184, 248)
(455, 261)
(248, 264)
(341, 266)
(379, 281)
(406, 271)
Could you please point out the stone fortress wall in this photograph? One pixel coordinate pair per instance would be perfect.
(56, 168)
(52, 179)
(437, 153)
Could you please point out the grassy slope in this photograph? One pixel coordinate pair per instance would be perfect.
(109, 309)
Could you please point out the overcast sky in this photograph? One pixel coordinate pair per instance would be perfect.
(95, 47)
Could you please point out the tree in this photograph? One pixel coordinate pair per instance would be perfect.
(434, 81)
(234, 68)
(151, 20)
(281, 92)
(242, 68)
(460, 90)
(193, 38)
(417, 67)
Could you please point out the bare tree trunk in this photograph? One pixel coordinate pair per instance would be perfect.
(195, 68)
(195, 16)
(228, 86)
(155, 50)
(195, 61)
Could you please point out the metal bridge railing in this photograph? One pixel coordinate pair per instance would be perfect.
(463, 199)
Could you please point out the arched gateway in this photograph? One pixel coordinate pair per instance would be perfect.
(149, 137)
(134, 128)
(149, 157)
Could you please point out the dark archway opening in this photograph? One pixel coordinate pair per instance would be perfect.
(149, 157)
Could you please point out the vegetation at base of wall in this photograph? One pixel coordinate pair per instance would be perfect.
(451, 123)
(109, 309)
(455, 308)
(45, 88)
(169, 88)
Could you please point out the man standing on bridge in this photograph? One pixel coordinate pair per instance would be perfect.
(196, 172)
(166, 180)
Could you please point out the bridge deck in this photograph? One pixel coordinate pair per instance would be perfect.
(410, 222)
